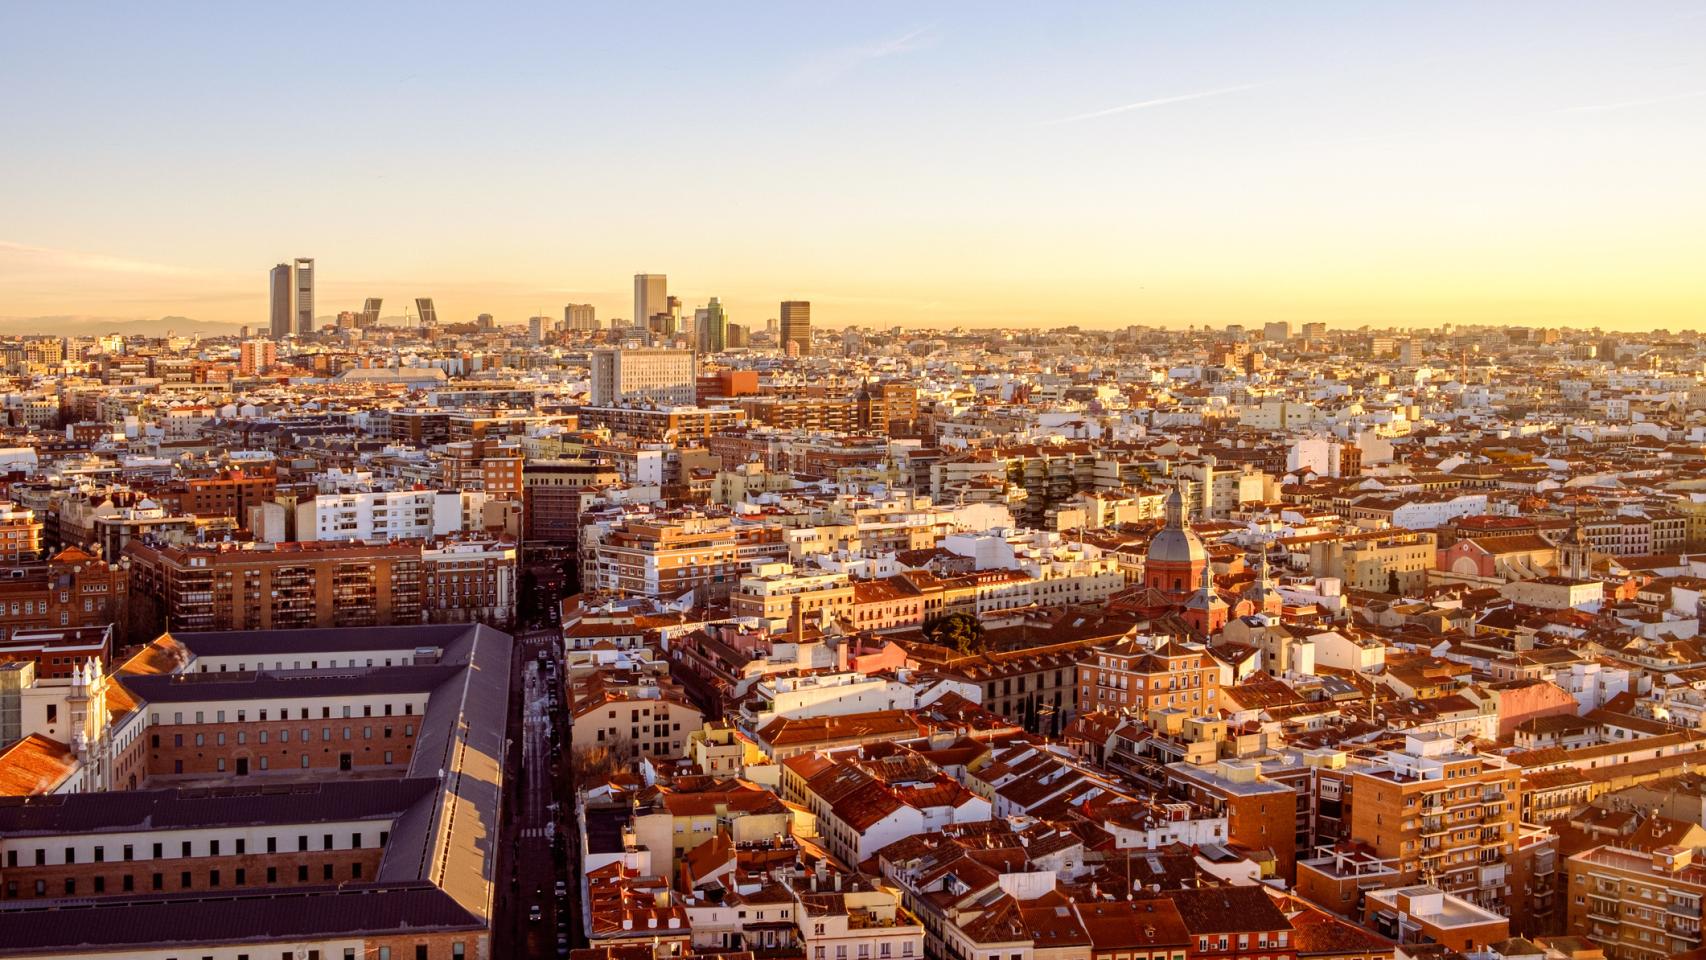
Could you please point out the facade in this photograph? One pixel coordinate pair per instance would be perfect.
(287, 851)
(660, 377)
(665, 423)
(651, 297)
(281, 291)
(711, 327)
(256, 355)
(427, 311)
(1150, 675)
(323, 584)
(380, 515)
(663, 559)
(1449, 819)
(1640, 904)
(797, 327)
(20, 533)
(580, 317)
(552, 494)
(303, 285)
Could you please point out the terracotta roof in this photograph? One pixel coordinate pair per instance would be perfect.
(34, 765)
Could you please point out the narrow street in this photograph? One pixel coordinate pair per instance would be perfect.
(531, 871)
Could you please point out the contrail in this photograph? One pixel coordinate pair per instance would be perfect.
(1158, 102)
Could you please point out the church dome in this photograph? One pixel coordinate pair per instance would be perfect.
(1177, 545)
(1176, 542)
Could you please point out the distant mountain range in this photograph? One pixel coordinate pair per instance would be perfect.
(86, 326)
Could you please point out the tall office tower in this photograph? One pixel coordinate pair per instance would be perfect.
(797, 325)
(1276, 331)
(672, 317)
(536, 329)
(711, 326)
(282, 311)
(304, 295)
(651, 295)
(428, 312)
(370, 311)
(580, 316)
(735, 336)
(772, 326)
(663, 377)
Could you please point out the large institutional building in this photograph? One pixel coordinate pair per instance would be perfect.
(661, 377)
(330, 793)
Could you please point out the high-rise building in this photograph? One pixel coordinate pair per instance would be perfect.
(304, 295)
(580, 316)
(370, 312)
(1276, 331)
(734, 336)
(797, 325)
(663, 377)
(710, 325)
(536, 329)
(255, 356)
(651, 296)
(428, 312)
(485, 322)
(670, 320)
(282, 308)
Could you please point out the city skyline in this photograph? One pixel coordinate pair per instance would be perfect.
(957, 166)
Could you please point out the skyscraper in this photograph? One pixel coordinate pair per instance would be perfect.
(536, 329)
(580, 316)
(428, 312)
(304, 295)
(282, 310)
(797, 325)
(651, 295)
(370, 311)
(711, 326)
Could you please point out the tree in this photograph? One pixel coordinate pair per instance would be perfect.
(957, 631)
(1392, 586)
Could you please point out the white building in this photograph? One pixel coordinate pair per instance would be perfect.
(661, 377)
(380, 515)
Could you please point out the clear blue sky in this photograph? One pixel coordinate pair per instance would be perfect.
(895, 163)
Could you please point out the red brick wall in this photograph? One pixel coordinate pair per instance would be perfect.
(171, 870)
(282, 755)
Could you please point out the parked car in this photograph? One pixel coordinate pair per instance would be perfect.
(534, 913)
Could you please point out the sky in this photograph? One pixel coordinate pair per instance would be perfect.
(936, 164)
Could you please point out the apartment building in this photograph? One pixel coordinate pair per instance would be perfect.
(630, 716)
(1367, 561)
(491, 466)
(662, 423)
(1448, 818)
(1639, 904)
(662, 558)
(553, 492)
(469, 581)
(229, 493)
(380, 515)
(72, 589)
(20, 534)
(1150, 674)
(779, 593)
